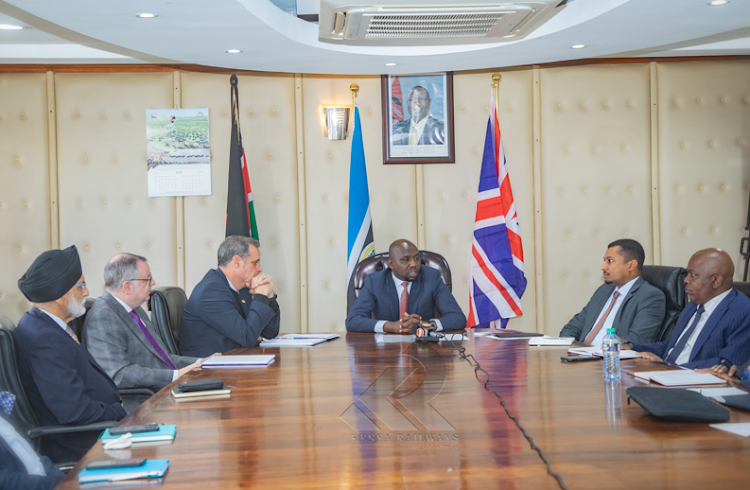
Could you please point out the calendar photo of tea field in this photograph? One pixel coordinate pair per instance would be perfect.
(177, 136)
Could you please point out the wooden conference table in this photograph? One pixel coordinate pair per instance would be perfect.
(306, 421)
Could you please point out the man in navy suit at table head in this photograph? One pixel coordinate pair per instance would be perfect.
(714, 328)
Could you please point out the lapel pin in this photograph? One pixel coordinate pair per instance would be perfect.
(243, 300)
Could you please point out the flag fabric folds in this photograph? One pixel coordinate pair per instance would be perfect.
(240, 208)
(497, 278)
(360, 243)
(397, 111)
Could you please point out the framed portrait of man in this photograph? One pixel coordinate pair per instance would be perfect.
(418, 118)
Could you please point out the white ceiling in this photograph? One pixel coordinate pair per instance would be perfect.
(200, 32)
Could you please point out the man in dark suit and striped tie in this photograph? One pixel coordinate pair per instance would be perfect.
(714, 328)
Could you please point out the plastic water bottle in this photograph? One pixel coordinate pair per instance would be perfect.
(611, 351)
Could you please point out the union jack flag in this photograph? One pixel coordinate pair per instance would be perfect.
(497, 279)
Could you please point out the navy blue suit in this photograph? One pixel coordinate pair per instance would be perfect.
(214, 320)
(13, 475)
(726, 334)
(379, 300)
(64, 384)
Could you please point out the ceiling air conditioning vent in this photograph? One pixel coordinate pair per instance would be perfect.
(433, 24)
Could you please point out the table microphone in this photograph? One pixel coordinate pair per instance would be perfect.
(426, 334)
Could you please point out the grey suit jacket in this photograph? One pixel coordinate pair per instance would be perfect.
(120, 347)
(639, 318)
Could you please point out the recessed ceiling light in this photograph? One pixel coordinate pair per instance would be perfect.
(390, 64)
(146, 15)
(233, 51)
(11, 27)
(578, 46)
(718, 2)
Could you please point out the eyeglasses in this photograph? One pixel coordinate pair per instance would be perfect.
(149, 279)
(82, 285)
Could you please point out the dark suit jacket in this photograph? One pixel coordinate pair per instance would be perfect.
(433, 134)
(213, 321)
(379, 300)
(726, 334)
(13, 475)
(64, 384)
(120, 347)
(639, 318)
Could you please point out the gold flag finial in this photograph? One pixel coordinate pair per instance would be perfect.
(354, 89)
(496, 80)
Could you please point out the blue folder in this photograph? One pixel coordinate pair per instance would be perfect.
(152, 468)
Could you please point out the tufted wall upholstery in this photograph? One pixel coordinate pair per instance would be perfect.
(595, 153)
(267, 122)
(704, 150)
(595, 177)
(24, 183)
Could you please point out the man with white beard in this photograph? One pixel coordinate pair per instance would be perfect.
(63, 383)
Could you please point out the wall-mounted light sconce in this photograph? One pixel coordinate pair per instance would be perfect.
(337, 121)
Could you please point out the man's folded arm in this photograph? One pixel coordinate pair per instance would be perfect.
(360, 318)
(574, 327)
(219, 311)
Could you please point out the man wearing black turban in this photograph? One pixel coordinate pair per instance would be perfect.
(64, 384)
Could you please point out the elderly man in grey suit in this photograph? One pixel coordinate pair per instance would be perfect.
(121, 337)
(625, 302)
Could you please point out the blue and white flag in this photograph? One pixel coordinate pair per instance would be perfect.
(361, 243)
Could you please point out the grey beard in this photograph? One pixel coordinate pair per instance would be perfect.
(76, 308)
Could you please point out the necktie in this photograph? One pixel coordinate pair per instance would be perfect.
(590, 337)
(677, 350)
(150, 338)
(414, 138)
(72, 334)
(404, 301)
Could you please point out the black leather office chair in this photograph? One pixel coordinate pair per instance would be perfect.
(379, 262)
(166, 305)
(671, 280)
(7, 323)
(23, 416)
(743, 287)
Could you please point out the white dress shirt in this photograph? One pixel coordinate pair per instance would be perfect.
(612, 314)
(708, 308)
(399, 292)
(175, 372)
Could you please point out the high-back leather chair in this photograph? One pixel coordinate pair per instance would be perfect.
(23, 415)
(167, 304)
(743, 287)
(7, 323)
(671, 280)
(379, 262)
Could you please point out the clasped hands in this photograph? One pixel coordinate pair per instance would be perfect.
(404, 325)
(261, 284)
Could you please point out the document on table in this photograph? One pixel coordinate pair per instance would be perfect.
(238, 361)
(291, 342)
(551, 341)
(297, 336)
(683, 377)
(719, 392)
(742, 429)
(597, 351)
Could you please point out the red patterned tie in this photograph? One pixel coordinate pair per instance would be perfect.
(404, 301)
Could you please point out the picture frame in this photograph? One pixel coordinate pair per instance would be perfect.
(431, 139)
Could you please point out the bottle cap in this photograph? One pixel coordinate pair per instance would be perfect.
(610, 330)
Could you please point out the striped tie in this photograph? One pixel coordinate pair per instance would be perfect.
(72, 334)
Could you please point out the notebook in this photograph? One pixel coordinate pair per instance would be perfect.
(238, 361)
(165, 433)
(513, 335)
(683, 377)
(291, 342)
(552, 341)
(597, 351)
(324, 336)
(153, 468)
(178, 393)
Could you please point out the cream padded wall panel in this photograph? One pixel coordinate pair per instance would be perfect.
(392, 193)
(24, 186)
(596, 176)
(451, 190)
(268, 129)
(104, 203)
(704, 157)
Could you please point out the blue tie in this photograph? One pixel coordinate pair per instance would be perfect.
(672, 357)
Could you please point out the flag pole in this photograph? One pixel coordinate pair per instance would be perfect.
(354, 88)
(496, 84)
